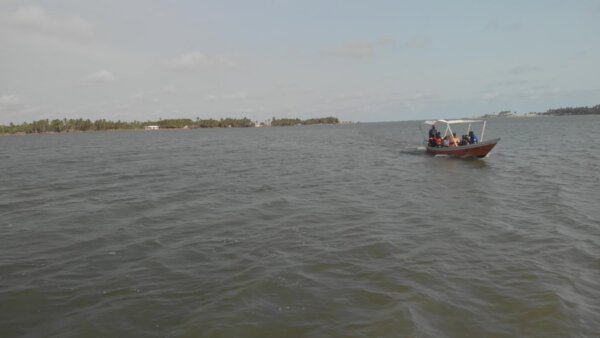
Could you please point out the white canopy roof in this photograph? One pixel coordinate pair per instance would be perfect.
(451, 121)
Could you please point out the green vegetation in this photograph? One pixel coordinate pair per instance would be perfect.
(210, 123)
(70, 125)
(574, 111)
(295, 122)
(506, 113)
(75, 125)
(224, 123)
(595, 110)
(171, 123)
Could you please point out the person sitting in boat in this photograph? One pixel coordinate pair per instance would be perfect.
(464, 140)
(438, 139)
(452, 140)
(472, 138)
(431, 141)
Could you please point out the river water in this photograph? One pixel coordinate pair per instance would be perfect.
(313, 231)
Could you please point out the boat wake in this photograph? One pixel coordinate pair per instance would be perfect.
(419, 150)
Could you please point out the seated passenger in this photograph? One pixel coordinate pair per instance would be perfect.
(452, 140)
(472, 138)
(431, 141)
(438, 139)
(464, 140)
(447, 141)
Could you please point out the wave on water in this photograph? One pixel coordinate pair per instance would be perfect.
(414, 150)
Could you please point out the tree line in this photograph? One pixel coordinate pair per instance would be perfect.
(574, 111)
(585, 110)
(294, 122)
(75, 125)
(67, 125)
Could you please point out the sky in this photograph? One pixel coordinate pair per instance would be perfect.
(356, 60)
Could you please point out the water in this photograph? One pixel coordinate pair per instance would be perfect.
(319, 231)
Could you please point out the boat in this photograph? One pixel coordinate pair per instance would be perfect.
(475, 150)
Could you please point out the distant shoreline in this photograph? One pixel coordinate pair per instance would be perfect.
(568, 111)
(57, 126)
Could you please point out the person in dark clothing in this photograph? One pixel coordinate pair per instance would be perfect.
(464, 140)
(472, 138)
(431, 141)
(432, 131)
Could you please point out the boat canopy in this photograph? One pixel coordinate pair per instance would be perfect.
(452, 121)
(448, 129)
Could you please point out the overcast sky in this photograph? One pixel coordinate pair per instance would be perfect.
(357, 60)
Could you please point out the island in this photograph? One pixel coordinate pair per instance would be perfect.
(595, 110)
(84, 125)
(297, 122)
(585, 110)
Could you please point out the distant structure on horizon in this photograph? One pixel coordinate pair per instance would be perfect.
(151, 128)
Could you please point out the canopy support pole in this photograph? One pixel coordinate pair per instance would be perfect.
(482, 131)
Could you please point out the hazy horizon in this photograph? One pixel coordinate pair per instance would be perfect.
(366, 62)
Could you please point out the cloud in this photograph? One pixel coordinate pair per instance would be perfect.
(503, 26)
(522, 69)
(417, 42)
(490, 95)
(350, 96)
(15, 109)
(362, 102)
(386, 41)
(195, 60)
(10, 102)
(229, 96)
(541, 87)
(353, 50)
(101, 76)
(366, 49)
(169, 89)
(235, 96)
(138, 96)
(508, 83)
(34, 19)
